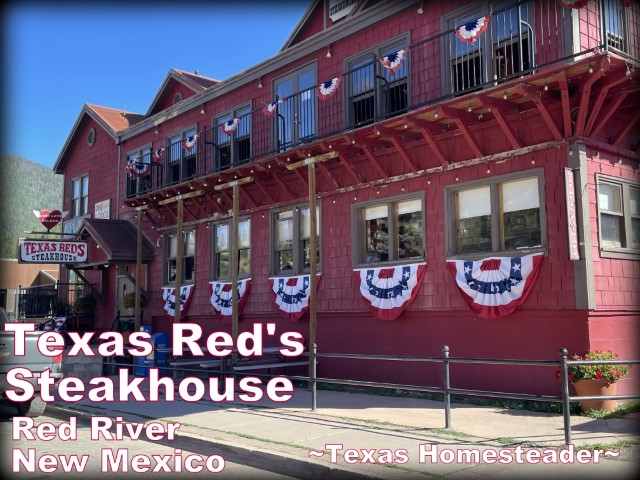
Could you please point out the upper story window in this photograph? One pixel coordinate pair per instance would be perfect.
(619, 216)
(139, 171)
(182, 155)
(616, 20)
(188, 257)
(232, 137)
(295, 119)
(222, 250)
(389, 231)
(378, 89)
(502, 50)
(292, 240)
(80, 196)
(501, 215)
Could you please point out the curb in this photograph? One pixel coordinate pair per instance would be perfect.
(279, 463)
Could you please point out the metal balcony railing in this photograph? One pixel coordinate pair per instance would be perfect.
(520, 39)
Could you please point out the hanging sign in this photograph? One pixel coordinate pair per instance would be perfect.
(572, 218)
(221, 297)
(169, 298)
(390, 290)
(340, 8)
(48, 218)
(291, 295)
(495, 287)
(52, 251)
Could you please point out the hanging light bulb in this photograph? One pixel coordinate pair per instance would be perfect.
(329, 51)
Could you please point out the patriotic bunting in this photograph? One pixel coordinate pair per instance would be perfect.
(291, 295)
(469, 32)
(496, 286)
(393, 61)
(328, 88)
(137, 167)
(169, 297)
(229, 126)
(271, 108)
(158, 154)
(389, 290)
(190, 142)
(221, 297)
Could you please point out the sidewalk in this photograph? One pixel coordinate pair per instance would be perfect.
(279, 436)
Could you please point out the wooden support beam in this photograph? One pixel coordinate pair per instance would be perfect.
(283, 185)
(506, 128)
(583, 108)
(393, 135)
(345, 163)
(265, 192)
(252, 201)
(602, 95)
(626, 129)
(213, 203)
(325, 171)
(611, 108)
(566, 106)
(455, 113)
(427, 133)
(374, 161)
(535, 95)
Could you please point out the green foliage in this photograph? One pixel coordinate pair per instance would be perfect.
(129, 300)
(610, 372)
(25, 186)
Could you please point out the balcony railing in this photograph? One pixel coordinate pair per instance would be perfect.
(521, 39)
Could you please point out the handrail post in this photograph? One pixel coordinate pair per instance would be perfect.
(312, 378)
(566, 405)
(446, 381)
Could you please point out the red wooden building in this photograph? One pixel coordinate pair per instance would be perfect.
(496, 143)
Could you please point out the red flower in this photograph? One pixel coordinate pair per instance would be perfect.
(598, 375)
(557, 373)
(570, 377)
(618, 373)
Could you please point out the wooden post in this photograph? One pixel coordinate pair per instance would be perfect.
(311, 168)
(233, 247)
(179, 247)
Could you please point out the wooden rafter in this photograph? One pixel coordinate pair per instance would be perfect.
(283, 185)
(536, 95)
(611, 108)
(374, 161)
(264, 191)
(628, 125)
(498, 109)
(246, 194)
(393, 137)
(566, 106)
(213, 203)
(325, 171)
(427, 132)
(349, 168)
(604, 92)
(583, 108)
(461, 119)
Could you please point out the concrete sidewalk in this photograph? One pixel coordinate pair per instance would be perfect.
(292, 440)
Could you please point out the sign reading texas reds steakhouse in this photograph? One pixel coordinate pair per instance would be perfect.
(52, 251)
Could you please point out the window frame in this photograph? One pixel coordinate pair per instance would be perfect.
(181, 161)
(625, 185)
(83, 196)
(295, 107)
(497, 234)
(485, 46)
(298, 249)
(131, 179)
(233, 139)
(215, 274)
(620, 23)
(359, 234)
(374, 54)
(167, 258)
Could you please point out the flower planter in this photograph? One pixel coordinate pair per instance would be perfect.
(591, 387)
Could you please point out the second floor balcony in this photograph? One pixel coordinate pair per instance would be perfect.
(481, 61)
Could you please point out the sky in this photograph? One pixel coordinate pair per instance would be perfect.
(58, 56)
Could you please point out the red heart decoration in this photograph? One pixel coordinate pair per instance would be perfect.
(50, 219)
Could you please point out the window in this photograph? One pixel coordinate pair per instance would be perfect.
(619, 216)
(183, 152)
(292, 240)
(295, 119)
(234, 148)
(222, 254)
(139, 171)
(374, 90)
(80, 196)
(392, 231)
(501, 51)
(504, 215)
(188, 256)
(616, 20)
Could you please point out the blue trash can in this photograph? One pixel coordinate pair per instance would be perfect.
(155, 358)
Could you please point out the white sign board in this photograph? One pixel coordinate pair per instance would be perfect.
(340, 8)
(101, 209)
(52, 251)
